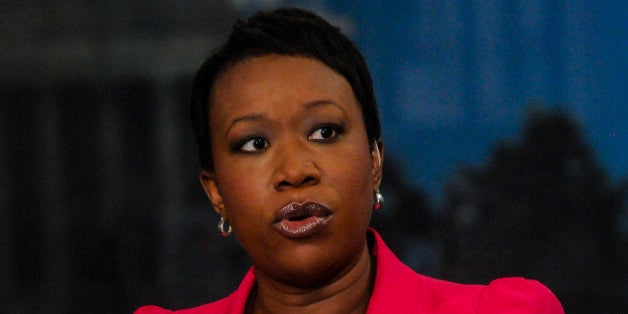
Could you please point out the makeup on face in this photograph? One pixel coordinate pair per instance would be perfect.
(301, 220)
(293, 165)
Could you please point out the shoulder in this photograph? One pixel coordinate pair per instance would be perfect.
(504, 295)
(234, 303)
(401, 288)
(151, 309)
(520, 294)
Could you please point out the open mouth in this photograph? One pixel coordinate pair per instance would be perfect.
(297, 220)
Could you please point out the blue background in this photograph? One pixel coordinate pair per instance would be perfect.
(453, 77)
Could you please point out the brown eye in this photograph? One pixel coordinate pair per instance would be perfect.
(325, 133)
(253, 145)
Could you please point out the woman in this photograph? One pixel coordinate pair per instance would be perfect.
(289, 139)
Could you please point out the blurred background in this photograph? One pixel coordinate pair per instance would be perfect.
(504, 124)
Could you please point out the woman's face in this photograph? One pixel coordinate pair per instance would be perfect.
(294, 175)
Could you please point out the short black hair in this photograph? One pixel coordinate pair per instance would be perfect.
(289, 32)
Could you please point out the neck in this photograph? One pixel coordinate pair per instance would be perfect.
(348, 294)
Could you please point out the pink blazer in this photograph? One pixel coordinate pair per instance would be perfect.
(398, 289)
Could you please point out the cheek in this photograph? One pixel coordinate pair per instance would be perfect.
(354, 177)
(242, 194)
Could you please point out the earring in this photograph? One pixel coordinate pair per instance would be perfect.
(221, 228)
(379, 201)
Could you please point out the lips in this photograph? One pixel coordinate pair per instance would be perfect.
(301, 220)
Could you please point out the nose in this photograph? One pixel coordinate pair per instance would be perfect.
(295, 167)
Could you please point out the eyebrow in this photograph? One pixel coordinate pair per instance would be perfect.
(260, 116)
(246, 118)
(324, 102)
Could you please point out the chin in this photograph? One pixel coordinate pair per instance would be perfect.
(311, 265)
(309, 275)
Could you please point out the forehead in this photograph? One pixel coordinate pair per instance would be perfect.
(275, 78)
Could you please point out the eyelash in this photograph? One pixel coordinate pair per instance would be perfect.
(238, 146)
(336, 129)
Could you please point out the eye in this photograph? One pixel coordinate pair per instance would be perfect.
(251, 145)
(325, 133)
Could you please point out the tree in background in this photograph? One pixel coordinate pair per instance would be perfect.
(541, 207)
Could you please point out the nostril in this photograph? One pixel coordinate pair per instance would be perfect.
(308, 180)
(284, 183)
(294, 177)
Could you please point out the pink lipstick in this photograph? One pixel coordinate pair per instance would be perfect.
(301, 220)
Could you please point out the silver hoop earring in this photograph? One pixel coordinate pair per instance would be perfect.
(379, 201)
(221, 228)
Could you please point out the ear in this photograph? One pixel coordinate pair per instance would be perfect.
(208, 181)
(377, 155)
